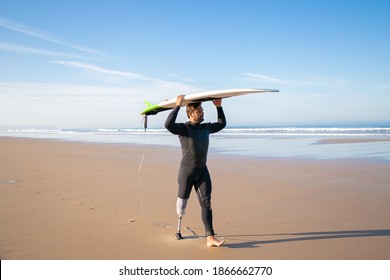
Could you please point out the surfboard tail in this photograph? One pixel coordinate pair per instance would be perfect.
(152, 109)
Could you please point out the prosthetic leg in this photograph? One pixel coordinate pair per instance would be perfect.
(181, 205)
(178, 233)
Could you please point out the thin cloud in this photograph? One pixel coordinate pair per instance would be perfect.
(20, 28)
(317, 81)
(98, 69)
(264, 78)
(11, 47)
(313, 81)
(124, 74)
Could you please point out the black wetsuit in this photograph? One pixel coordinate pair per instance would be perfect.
(194, 140)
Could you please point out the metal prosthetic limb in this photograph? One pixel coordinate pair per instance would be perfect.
(181, 205)
(178, 233)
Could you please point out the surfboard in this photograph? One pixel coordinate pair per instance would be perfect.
(199, 97)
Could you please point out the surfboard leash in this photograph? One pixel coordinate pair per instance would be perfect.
(145, 121)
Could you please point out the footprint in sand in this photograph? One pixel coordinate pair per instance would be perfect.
(77, 203)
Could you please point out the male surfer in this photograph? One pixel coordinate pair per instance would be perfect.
(194, 140)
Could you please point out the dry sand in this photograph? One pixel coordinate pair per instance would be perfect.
(67, 200)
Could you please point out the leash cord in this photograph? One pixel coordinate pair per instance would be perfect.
(140, 166)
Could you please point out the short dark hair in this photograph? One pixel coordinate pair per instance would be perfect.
(192, 107)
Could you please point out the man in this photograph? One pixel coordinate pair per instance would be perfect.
(194, 140)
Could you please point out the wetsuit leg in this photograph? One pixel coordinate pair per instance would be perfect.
(203, 189)
(185, 181)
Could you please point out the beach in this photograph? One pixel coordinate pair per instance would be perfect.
(63, 200)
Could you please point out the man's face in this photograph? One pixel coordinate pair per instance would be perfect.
(197, 115)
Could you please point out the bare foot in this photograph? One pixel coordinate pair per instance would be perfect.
(213, 242)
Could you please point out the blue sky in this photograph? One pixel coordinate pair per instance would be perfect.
(90, 64)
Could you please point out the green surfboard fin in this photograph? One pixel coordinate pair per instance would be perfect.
(152, 109)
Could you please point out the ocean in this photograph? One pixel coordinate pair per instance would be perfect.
(315, 142)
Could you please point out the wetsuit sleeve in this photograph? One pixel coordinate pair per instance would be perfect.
(220, 124)
(170, 123)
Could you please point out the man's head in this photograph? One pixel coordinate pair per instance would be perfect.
(195, 112)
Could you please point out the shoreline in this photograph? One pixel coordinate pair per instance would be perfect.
(219, 148)
(78, 200)
(350, 140)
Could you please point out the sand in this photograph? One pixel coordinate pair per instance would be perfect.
(69, 200)
(350, 140)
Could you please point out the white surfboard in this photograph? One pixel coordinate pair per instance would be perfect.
(200, 97)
